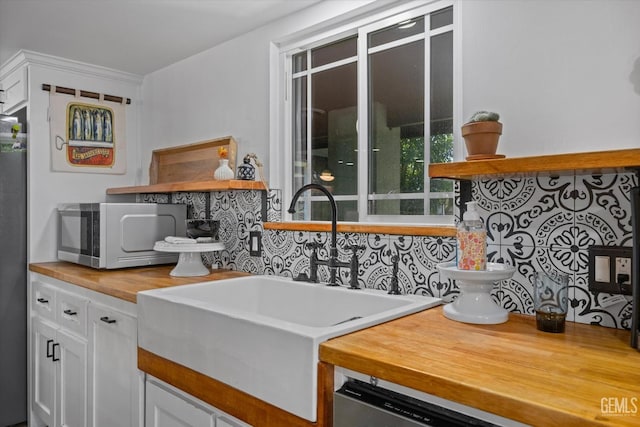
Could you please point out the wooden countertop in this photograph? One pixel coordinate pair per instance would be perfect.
(124, 283)
(511, 369)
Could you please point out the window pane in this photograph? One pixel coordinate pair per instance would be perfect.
(321, 209)
(300, 62)
(397, 207)
(441, 147)
(441, 141)
(442, 77)
(299, 131)
(396, 135)
(441, 18)
(443, 206)
(347, 210)
(397, 32)
(334, 52)
(334, 136)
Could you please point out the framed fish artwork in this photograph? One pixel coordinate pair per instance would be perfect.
(87, 136)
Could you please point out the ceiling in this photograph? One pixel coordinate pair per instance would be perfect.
(136, 36)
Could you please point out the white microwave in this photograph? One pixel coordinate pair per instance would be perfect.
(117, 235)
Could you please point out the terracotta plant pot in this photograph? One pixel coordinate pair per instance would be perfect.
(481, 139)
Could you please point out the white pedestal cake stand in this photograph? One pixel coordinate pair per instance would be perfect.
(474, 304)
(189, 262)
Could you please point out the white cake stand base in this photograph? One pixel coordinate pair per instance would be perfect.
(474, 304)
(189, 261)
(189, 265)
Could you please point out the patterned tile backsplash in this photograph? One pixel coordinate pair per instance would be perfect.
(533, 223)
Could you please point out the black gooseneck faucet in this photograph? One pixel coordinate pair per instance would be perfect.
(333, 249)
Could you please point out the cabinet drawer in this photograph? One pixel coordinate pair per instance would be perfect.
(71, 311)
(43, 300)
(114, 320)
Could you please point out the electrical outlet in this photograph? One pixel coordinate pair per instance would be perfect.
(610, 269)
(623, 271)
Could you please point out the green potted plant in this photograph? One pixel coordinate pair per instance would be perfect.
(481, 134)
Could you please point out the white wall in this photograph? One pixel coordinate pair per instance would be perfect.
(559, 73)
(48, 188)
(224, 90)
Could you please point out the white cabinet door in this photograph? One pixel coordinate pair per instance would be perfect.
(70, 356)
(166, 409)
(114, 383)
(15, 89)
(83, 358)
(59, 376)
(44, 370)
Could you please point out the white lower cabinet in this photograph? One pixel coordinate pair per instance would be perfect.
(59, 375)
(83, 366)
(166, 406)
(83, 358)
(113, 386)
(228, 421)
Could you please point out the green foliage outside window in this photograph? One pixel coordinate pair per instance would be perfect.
(412, 173)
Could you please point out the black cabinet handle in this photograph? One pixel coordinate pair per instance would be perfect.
(43, 301)
(70, 312)
(49, 352)
(54, 352)
(106, 319)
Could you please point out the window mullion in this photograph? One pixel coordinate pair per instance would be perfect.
(427, 121)
(363, 126)
(309, 124)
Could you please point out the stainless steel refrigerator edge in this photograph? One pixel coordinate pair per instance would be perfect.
(13, 283)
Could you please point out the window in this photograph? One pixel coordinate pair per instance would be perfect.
(368, 109)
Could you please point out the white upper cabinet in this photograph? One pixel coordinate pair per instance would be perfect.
(15, 90)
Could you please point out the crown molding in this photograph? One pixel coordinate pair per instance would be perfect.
(27, 57)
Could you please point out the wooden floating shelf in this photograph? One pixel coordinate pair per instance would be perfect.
(584, 163)
(197, 186)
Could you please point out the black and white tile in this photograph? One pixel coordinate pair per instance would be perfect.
(534, 224)
(548, 223)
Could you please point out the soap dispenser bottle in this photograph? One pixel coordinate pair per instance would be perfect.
(472, 240)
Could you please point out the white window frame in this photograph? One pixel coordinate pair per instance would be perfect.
(281, 152)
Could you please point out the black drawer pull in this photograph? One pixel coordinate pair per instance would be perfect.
(54, 352)
(43, 301)
(49, 352)
(70, 312)
(106, 319)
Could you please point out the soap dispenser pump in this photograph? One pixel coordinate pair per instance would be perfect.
(472, 240)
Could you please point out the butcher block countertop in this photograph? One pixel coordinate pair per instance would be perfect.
(124, 283)
(588, 375)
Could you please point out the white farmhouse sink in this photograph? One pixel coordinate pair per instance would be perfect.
(260, 334)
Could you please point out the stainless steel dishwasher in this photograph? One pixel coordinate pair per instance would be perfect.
(358, 404)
